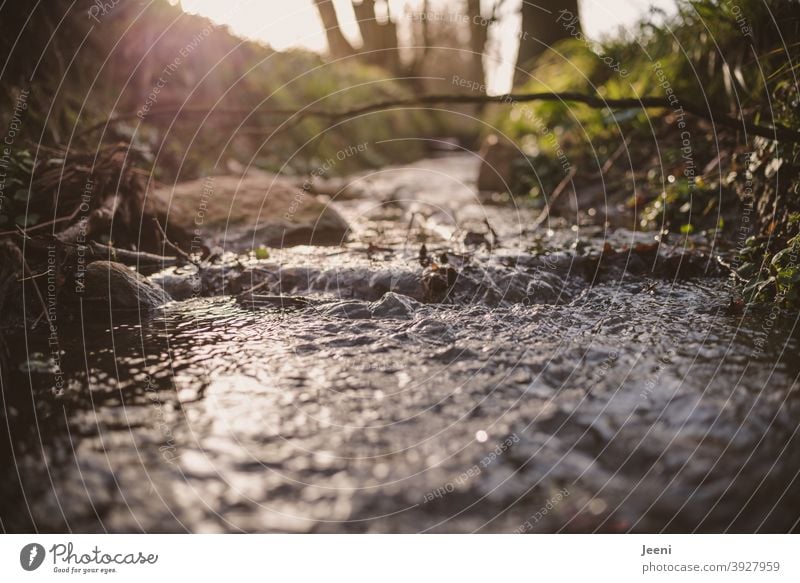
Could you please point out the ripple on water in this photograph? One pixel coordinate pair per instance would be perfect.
(636, 394)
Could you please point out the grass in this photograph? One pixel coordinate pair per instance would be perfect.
(193, 64)
(737, 57)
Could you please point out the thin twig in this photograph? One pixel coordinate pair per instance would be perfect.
(613, 158)
(181, 253)
(45, 224)
(27, 270)
(255, 287)
(561, 187)
(34, 276)
(496, 239)
(731, 269)
(408, 230)
(133, 258)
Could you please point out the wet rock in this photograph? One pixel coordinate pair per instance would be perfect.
(546, 288)
(475, 239)
(179, 286)
(121, 288)
(243, 213)
(454, 353)
(438, 281)
(407, 283)
(295, 279)
(393, 305)
(431, 331)
(497, 164)
(346, 282)
(336, 188)
(349, 310)
(688, 265)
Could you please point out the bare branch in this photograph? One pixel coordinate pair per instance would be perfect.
(774, 132)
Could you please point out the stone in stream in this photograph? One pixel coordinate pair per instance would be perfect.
(241, 213)
(393, 305)
(432, 331)
(121, 288)
(498, 157)
(348, 310)
(180, 284)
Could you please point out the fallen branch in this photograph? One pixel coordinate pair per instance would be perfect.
(49, 223)
(97, 221)
(138, 259)
(180, 252)
(774, 132)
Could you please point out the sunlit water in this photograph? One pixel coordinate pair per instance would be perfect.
(547, 389)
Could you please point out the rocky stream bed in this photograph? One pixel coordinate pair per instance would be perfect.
(446, 368)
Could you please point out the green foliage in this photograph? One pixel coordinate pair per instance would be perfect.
(705, 53)
(261, 252)
(85, 72)
(772, 272)
(685, 206)
(731, 57)
(771, 276)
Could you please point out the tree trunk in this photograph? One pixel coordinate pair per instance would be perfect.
(544, 22)
(478, 34)
(380, 38)
(338, 45)
(367, 25)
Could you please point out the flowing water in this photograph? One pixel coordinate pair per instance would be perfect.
(563, 378)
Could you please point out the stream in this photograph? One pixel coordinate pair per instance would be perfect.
(564, 378)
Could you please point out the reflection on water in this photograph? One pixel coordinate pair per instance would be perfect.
(218, 417)
(629, 403)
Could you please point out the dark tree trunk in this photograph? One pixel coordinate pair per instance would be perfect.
(478, 34)
(380, 38)
(380, 41)
(338, 45)
(369, 28)
(544, 22)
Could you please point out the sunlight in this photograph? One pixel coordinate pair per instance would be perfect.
(278, 23)
(365, 267)
(284, 25)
